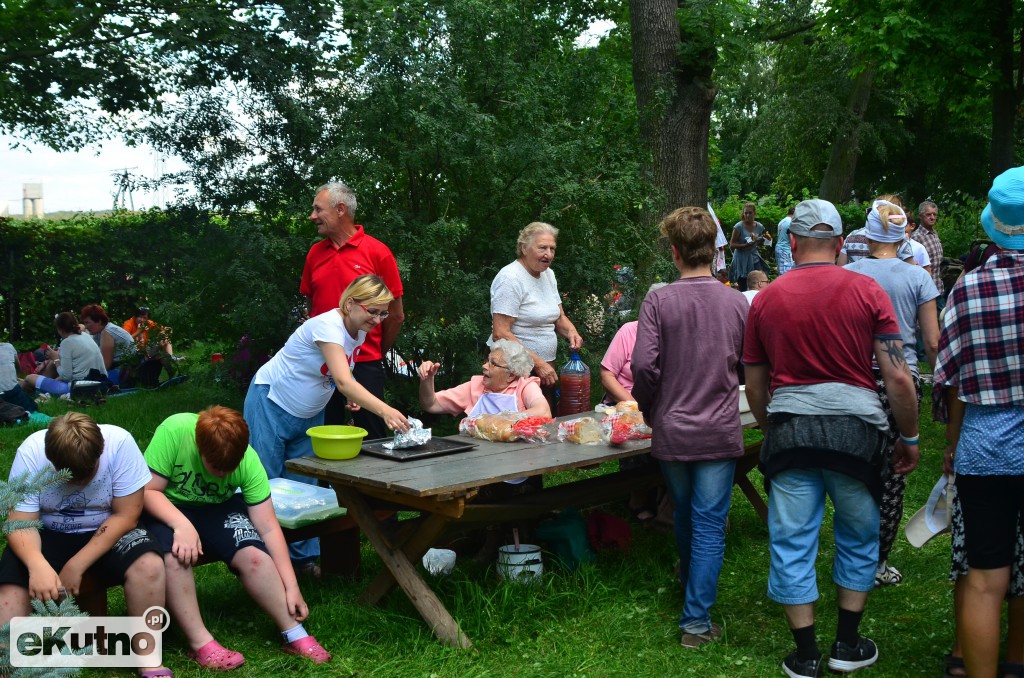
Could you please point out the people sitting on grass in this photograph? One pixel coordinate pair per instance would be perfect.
(140, 327)
(10, 389)
(77, 359)
(154, 344)
(288, 394)
(505, 385)
(198, 462)
(89, 524)
(115, 342)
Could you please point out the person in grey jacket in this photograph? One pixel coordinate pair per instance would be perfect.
(688, 344)
(77, 358)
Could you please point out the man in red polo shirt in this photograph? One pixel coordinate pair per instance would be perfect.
(345, 253)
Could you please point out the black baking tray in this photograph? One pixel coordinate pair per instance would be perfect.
(435, 447)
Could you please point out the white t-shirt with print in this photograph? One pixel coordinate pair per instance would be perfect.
(122, 470)
(297, 374)
(533, 302)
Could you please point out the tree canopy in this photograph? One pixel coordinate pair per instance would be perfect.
(73, 72)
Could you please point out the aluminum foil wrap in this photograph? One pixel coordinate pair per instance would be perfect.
(414, 437)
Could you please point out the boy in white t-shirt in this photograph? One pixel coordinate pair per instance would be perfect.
(90, 523)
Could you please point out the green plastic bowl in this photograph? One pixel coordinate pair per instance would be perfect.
(336, 442)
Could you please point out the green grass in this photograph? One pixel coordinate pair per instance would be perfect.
(615, 617)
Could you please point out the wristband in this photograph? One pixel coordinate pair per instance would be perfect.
(910, 441)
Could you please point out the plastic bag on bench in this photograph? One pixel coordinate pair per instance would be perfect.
(298, 504)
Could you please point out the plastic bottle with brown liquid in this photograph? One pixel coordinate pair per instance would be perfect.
(574, 387)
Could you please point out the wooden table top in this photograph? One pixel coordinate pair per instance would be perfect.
(488, 464)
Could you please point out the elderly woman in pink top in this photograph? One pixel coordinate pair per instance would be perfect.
(504, 386)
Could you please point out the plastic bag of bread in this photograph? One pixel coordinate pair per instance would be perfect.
(618, 427)
(507, 427)
(534, 429)
(582, 431)
(627, 406)
(494, 427)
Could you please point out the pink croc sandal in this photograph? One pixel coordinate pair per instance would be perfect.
(309, 648)
(216, 657)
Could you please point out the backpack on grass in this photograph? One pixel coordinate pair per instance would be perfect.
(11, 414)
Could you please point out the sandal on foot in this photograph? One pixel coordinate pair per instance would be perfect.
(216, 657)
(309, 648)
(954, 667)
(1011, 670)
(155, 673)
(311, 570)
(643, 515)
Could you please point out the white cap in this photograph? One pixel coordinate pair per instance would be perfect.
(934, 517)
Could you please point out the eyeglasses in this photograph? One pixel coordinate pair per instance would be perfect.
(374, 312)
(494, 364)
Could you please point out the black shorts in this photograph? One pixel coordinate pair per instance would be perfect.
(59, 547)
(992, 509)
(224, 529)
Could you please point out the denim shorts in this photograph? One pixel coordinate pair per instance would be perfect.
(796, 506)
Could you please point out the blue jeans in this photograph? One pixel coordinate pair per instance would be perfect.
(702, 491)
(277, 436)
(796, 505)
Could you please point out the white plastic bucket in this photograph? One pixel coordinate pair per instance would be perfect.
(522, 563)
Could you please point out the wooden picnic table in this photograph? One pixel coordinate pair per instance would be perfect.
(442, 489)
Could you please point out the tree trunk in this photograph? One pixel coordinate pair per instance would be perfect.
(837, 182)
(674, 100)
(1004, 94)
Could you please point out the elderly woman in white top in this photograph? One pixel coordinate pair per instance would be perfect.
(526, 307)
(77, 358)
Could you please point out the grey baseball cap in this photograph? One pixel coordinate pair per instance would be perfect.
(810, 213)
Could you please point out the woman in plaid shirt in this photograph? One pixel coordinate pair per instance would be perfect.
(981, 361)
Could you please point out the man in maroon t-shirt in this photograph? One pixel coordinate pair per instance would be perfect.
(345, 253)
(807, 354)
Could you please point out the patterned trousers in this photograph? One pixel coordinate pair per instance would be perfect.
(894, 484)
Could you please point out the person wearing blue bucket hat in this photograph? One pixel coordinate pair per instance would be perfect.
(980, 367)
(1003, 217)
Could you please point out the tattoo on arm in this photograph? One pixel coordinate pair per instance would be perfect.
(101, 530)
(894, 349)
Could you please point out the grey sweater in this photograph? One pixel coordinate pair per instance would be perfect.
(78, 355)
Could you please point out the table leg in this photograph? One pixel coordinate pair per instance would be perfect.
(422, 597)
(414, 542)
(745, 465)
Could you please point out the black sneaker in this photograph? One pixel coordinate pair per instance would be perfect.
(802, 668)
(846, 658)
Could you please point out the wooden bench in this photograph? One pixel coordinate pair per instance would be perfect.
(339, 556)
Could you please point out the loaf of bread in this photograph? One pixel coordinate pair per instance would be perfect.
(495, 427)
(627, 406)
(581, 431)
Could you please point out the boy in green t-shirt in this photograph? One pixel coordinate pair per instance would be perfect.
(198, 461)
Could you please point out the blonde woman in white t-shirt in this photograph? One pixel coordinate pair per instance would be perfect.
(288, 394)
(526, 307)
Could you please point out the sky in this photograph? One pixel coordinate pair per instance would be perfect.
(74, 181)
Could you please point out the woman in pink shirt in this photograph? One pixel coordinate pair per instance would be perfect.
(504, 386)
